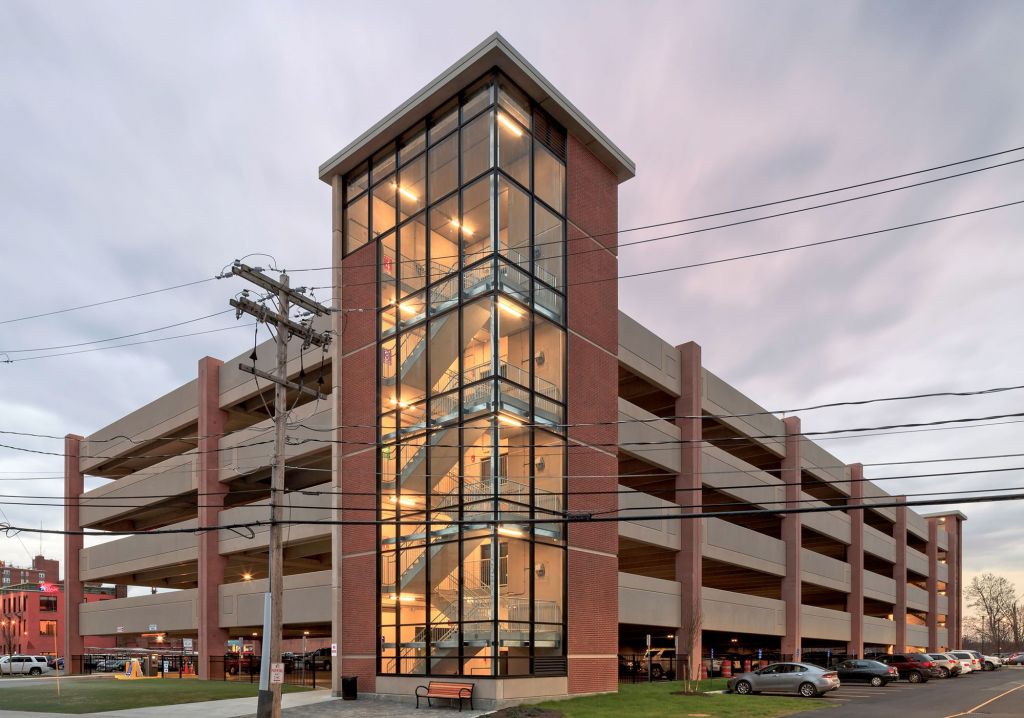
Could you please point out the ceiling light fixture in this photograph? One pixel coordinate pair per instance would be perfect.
(509, 420)
(510, 125)
(510, 308)
(404, 192)
(455, 223)
(512, 531)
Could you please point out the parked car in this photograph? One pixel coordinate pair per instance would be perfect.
(803, 678)
(318, 660)
(949, 667)
(865, 671)
(991, 663)
(967, 658)
(914, 667)
(24, 665)
(56, 664)
(626, 666)
(1016, 659)
(661, 662)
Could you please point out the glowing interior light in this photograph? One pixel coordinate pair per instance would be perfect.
(510, 420)
(467, 230)
(247, 576)
(510, 125)
(402, 597)
(510, 531)
(407, 308)
(510, 308)
(399, 403)
(404, 192)
(403, 500)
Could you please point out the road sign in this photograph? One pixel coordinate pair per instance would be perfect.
(759, 654)
(334, 649)
(277, 673)
(120, 629)
(186, 644)
(152, 627)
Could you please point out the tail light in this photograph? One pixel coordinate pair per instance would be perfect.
(831, 675)
(927, 664)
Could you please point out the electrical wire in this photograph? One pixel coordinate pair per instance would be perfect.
(570, 518)
(760, 205)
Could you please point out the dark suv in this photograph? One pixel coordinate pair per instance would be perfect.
(915, 667)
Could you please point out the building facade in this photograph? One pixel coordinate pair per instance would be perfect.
(42, 570)
(32, 618)
(486, 396)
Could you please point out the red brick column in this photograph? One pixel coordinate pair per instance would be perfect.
(357, 591)
(592, 398)
(338, 324)
(855, 557)
(954, 586)
(74, 589)
(212, 420)
(689, 560)
(792, 527)
(899, 575)
(933, 584)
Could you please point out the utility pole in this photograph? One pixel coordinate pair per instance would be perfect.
(269, 705)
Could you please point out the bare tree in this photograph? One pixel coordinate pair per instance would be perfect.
(992, 597)
(1015, 622)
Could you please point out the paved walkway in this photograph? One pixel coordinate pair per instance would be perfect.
(319, 704)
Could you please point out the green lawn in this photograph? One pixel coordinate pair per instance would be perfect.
(93, 695)
(656, 701)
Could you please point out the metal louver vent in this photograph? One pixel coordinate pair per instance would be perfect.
(550, 134)
(549, 666)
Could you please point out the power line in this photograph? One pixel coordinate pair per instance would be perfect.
(129, 344)
(114, 339)
(108, 301)
(421, 439)
(722, 213)
(187, 499)
(766, 412)
(571, 517)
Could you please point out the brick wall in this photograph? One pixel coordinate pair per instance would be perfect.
(358, 589)
(592, 398)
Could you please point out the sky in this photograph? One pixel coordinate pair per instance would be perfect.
(150, 144)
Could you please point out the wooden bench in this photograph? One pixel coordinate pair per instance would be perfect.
(444, 689)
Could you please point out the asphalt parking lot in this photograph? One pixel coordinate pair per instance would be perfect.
(999, 694)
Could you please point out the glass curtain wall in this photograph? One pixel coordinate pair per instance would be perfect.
(467, 214)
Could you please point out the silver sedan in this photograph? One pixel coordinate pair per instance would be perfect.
(804, 678)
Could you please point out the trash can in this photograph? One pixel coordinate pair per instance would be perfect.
(349, 688)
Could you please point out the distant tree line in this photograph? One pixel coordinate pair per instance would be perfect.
(997, 624)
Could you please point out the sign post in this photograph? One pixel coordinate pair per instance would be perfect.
(650, 678)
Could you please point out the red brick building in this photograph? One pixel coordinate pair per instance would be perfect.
(32, 618)
(42, 570)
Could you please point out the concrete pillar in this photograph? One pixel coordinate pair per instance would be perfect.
(933, 584)
(855, 557)
(74, 589)
(792, 526)
(212, 421)
(899, 575)
(954, 586)
(688, 484)
(337, 325)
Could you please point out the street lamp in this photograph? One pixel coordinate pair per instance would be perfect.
(983, 618)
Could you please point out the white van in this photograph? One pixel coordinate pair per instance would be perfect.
(24, 665)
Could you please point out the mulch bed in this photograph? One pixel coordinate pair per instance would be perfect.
(526, 712)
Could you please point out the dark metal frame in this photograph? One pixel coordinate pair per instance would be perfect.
(491, 175)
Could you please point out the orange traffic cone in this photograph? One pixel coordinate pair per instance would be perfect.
(704, 670)
(726, 669)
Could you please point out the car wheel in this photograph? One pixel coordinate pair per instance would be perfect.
(915, 677)
(744, 688)
(35, 671)
(807, 690)
(656, 672)
(877, 681)
(989, 666)
(944, 672)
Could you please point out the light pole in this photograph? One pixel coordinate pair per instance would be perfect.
(983, 619)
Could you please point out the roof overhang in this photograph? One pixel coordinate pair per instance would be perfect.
(945, 514)
(495, 51)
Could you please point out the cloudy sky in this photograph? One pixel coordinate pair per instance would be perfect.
(149, 144)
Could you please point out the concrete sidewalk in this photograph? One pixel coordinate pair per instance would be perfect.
(229, 708)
